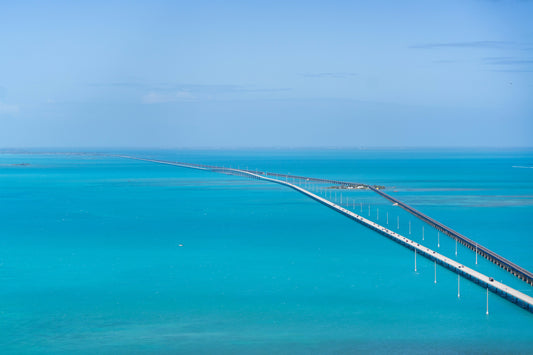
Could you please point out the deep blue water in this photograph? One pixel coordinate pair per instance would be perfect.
(107, 255)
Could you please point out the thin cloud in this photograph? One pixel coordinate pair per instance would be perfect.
(163, 86)
(6, 109)
(170, 89)
(332, 75)
(159, 98)
(507, 61)
(512, 70)
(250, 89)
(471, 44)
(445, 61)
(197, 88)
(119, 85)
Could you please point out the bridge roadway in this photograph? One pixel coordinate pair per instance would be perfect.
(482, 280)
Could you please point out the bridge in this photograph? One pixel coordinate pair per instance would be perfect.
(482, 280)
(485, 252)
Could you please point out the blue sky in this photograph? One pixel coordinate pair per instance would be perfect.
(266, 73)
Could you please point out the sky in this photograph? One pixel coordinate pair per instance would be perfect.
(232, 74)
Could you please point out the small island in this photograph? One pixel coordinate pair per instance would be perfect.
(356, 187)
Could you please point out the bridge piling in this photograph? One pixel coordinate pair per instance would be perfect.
(458, 286)
(487, 313)
(435, 271)
(415, 260)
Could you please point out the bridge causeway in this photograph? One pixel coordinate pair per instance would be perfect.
(482, 280)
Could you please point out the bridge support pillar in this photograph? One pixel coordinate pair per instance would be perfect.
(458, 286)
(435, 271)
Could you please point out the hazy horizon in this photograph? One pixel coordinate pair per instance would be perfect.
(103, 149)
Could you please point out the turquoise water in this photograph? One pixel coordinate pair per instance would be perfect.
(106, 255)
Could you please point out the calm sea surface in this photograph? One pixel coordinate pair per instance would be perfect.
(113, 256)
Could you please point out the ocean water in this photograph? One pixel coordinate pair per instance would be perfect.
(113, 256)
